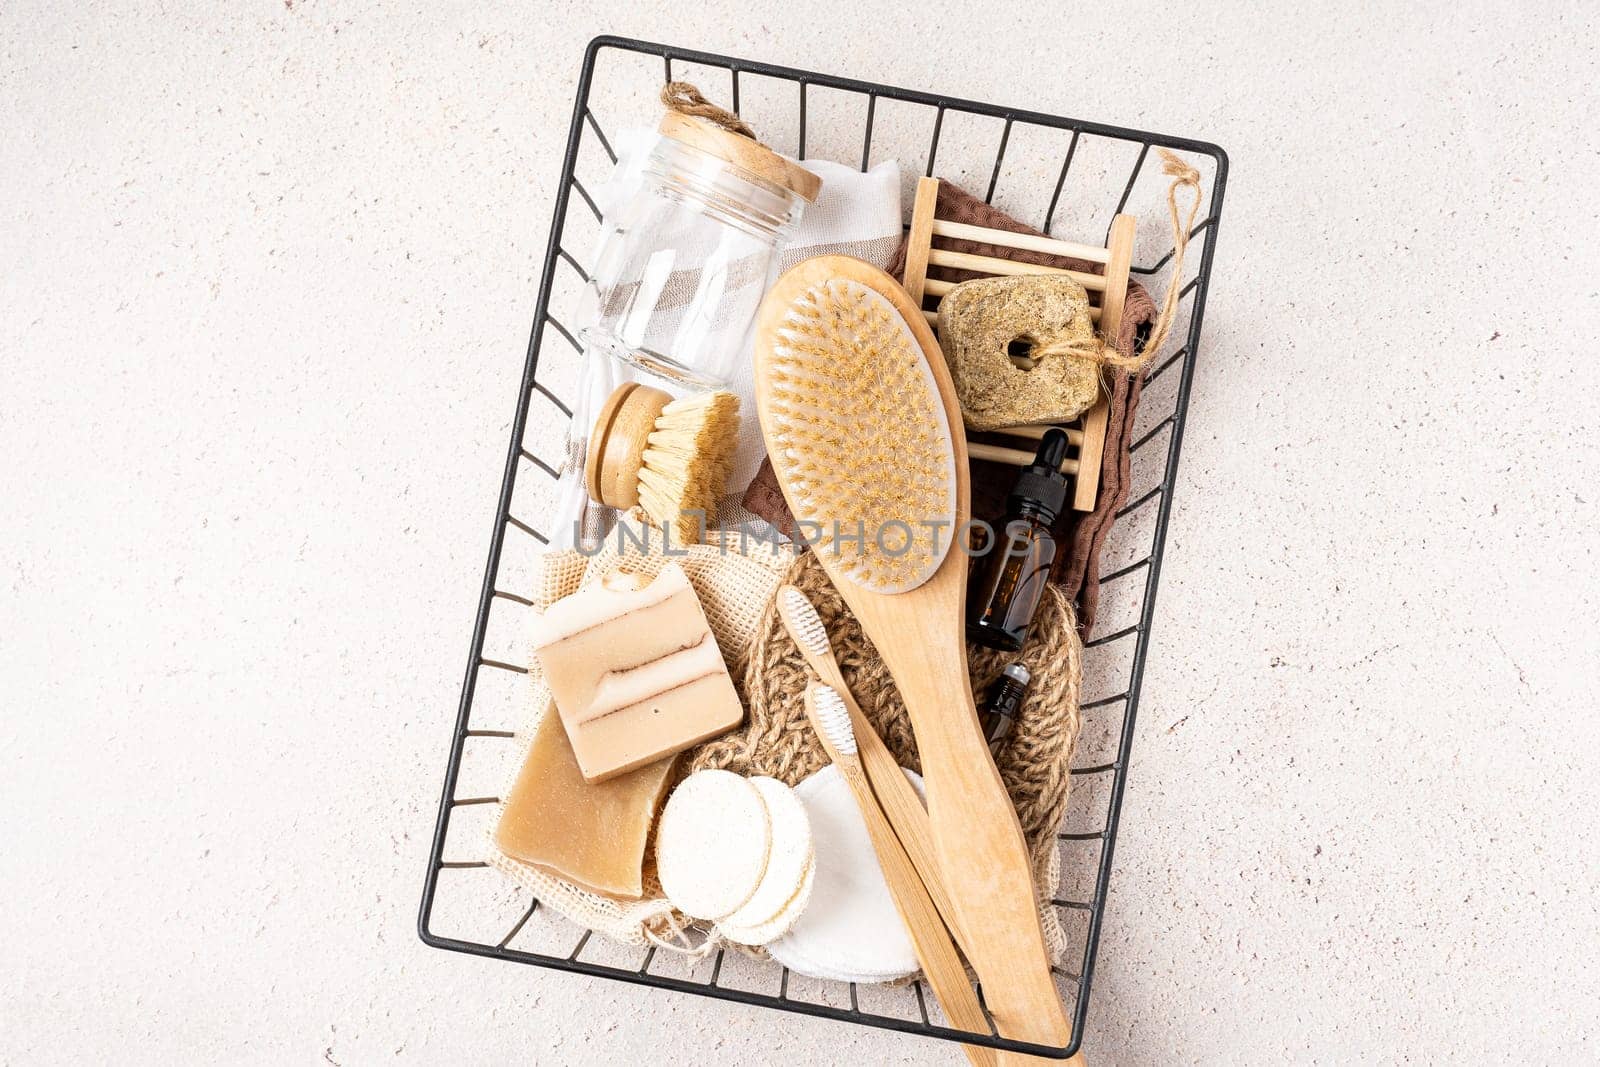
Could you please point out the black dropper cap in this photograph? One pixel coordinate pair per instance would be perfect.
(1042, 486)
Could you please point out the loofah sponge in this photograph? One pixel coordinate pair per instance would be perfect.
(996, 333)
(713, 843)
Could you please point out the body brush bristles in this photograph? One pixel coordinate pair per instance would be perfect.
(858, 435)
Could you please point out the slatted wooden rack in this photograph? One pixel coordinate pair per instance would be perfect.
(1107, 291)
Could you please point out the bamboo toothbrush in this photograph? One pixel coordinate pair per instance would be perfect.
(896, 795)
(670, 457)
(935, 951)
(864, 433)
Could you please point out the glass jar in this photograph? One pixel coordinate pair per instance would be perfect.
(684, 263)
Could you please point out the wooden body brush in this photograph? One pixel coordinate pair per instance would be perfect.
(864, 433)
(669, 457)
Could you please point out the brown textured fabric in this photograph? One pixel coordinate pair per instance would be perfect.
(1080, 534)
(765, 498)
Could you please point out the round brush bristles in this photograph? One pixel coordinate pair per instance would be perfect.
(859, 436)
(834, 718)
(686, 462)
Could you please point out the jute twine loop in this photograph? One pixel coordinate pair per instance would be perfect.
(685, 99)
(1184, 176)
(1101, 351)
(777, 740)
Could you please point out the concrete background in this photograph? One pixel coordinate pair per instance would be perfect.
(266, 271)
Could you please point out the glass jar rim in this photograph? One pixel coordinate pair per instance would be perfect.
(731, 193)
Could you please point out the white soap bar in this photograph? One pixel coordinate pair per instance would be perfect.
(635, 672)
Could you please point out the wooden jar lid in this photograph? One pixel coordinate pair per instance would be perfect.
(617, 443)
(742, 152)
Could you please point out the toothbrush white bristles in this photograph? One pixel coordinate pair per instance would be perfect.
(805, 625)
(834, 719)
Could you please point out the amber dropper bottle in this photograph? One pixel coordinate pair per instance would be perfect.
(1009, 581)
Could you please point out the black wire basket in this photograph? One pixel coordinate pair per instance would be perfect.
(1072, 176)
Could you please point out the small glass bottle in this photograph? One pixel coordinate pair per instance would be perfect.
(1009, 581)
(1004, 702)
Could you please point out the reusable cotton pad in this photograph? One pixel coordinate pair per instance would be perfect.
(788, 860)
(779, 924)
(712, 844)
(850, 930)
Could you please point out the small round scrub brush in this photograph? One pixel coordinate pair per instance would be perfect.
(669, 457)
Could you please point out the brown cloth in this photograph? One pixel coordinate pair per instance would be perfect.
(1080, 534)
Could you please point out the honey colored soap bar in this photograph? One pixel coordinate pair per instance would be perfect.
(635, 672)
(590, 833)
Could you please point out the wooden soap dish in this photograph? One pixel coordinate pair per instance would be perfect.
(1107, 291)
(1028, 438)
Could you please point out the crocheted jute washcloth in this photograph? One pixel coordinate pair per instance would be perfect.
(777, 740)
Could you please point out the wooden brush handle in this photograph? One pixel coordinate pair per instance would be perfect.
(909, 821)
(976, 837)
(935, 951)
(905, 812)
(617, 443)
